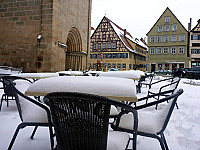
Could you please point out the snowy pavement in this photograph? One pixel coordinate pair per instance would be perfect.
(182, 132)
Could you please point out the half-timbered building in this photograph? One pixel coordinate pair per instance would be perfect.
(114, 47)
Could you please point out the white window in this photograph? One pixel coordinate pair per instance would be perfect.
(167, 27)
(109, 45)
(159, 50)
(104, 45)
(152, 39)
(160, 28)
(159, 39)
(174, 27)
(173, 50)
(94, 46)
(114, 45)
(165, 50)
(99, 46)
(181, 50)
(167, 19)
(152, 50)
(181, 37)
(166, 38)
(174, 38)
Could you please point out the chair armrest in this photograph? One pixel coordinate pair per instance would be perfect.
(159, 101)
(161, 81)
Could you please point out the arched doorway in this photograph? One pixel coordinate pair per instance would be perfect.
(74, 49)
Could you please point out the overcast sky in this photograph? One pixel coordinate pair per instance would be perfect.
(139, 16)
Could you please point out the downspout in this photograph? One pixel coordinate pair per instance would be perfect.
(88, 35)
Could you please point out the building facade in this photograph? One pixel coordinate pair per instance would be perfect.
(195, 45)
(114, 47)
(45, 35)
(168, 43)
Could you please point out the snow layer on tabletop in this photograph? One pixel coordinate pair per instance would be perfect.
(122, 74)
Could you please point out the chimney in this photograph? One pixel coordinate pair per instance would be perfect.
(190, 24)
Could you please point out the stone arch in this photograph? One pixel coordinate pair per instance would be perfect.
(74, 49)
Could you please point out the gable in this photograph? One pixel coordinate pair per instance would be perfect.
(173, 20)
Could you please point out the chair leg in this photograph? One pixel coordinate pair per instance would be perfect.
(20, 126)
(161, 143)
(1, 103)
(51, 137)
(164, 141)
(32, 135)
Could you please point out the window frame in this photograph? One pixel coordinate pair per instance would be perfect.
(157, 52)
(167, 28)
(152, 39)
(172, 37)
(160, 28)
(175, 27)
(164, 37)
(183, 50)
(180, 37)
(173, 51)
(165, 52)
(152, 49)
(167, 19)
(159, 37)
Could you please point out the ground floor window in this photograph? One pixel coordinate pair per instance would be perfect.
(130, 66)
(166, 66)
(159, 66)
(123, 66)
(119, 66)
(113, 65)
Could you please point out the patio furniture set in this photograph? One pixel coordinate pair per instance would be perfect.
(77, 110)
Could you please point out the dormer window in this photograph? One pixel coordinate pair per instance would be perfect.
(167, 19)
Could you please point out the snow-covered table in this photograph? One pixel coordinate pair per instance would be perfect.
(135, 75)
(116, 88)
(37, 76)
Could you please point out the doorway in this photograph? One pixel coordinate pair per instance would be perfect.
(73, 53)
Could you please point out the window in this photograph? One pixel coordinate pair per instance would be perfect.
(159, 50)
(159, 39)
(166, 38)
(160, 28)
(130, 66)
(173, 50)
(99, 46)
(91, 56)
(195, 51)
(109, 45)
(152, 50)
(174, 39)
(130, 55)
(152, 39)
(174, 27)
(123, 66)
(165, 50)
(167, 19)
(118, 66)
(109, 65)
(166, 27)
(195, 37)
(181, 50)
(94, 46)
(104, 36)
(114, 45)
(113, 65)
(104, 45)
(181, 37)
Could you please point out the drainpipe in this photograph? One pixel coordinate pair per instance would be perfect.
(88, 35)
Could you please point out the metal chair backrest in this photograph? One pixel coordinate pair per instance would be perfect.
(81, 120)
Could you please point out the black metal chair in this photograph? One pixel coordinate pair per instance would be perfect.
(8, 92)
(81, 120)
(143, 81)
(170, 87)
(151, 124)
(31, 112)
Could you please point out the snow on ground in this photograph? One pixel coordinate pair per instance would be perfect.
(182, 133)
